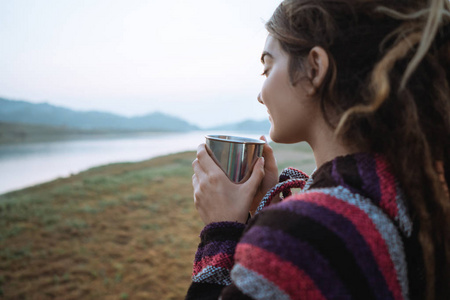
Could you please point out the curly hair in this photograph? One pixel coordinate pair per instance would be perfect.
(389, 92)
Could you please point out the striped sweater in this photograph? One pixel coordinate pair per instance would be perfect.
(347, 235)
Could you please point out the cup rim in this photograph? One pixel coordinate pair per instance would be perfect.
(234, 139)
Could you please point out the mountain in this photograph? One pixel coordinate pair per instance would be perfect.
(262, 126)
(50, 115)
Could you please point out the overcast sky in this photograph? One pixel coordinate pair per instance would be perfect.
(196, 59)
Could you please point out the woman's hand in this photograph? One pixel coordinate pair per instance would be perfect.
(271, 176)
(216, 197)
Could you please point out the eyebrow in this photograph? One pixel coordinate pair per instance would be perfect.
(264, 54)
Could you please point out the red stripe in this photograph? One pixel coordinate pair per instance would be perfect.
(366, 228)
(387, 187)
(219, 260)
(293, 281)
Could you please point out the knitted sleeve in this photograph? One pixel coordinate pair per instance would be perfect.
(317, 246)
(214, 259)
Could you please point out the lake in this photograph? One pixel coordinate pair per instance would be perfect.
(23, 165)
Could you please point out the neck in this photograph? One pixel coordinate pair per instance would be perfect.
(326, 146)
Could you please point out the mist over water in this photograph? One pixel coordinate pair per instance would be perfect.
(24, 165)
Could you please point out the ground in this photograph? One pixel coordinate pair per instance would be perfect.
(121, 231)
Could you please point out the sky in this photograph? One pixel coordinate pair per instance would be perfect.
(194, 59)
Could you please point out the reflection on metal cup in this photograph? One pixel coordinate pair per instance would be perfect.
(235, 155)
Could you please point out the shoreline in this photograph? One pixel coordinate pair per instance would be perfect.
(62, 179)
(28, 164)
(286, 155)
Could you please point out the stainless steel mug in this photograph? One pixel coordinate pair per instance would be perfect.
(235, 155)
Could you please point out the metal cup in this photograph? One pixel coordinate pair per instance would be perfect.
(235, 155)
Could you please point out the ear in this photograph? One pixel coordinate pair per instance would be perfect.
(317, 67)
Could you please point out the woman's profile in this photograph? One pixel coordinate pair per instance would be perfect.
(366, 83)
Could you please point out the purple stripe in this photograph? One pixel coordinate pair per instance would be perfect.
(301, 254)
(213, 248)
(338, 174)
(220, 225)
(346, 231)
(368, 172)
(335, 174)
(214, 227)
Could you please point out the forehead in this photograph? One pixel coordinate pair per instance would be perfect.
(271, 44)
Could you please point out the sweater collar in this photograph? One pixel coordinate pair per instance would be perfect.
(371, 176)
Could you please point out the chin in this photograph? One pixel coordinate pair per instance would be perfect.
(273, 136)
(282, 139)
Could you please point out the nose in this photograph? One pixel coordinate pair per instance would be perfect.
(260, 99)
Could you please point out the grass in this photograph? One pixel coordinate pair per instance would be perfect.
(121, 231)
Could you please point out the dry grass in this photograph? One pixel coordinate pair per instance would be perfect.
(122, 231)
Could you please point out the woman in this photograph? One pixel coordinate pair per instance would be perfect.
(367, 84)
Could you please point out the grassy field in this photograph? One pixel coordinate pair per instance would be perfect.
(121, 231)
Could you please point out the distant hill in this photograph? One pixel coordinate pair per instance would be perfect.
(46, 114)
(262, 126)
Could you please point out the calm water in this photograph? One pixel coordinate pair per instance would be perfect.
(30, 164)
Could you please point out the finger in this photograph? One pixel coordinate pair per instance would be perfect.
(200, 148)
(195, 186)
(206, 162)
(257, 174)
(193, 180)
(269, 157)
(198, 170)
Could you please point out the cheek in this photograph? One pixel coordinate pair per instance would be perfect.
(270, 93)
(264, 91)
(290, 120)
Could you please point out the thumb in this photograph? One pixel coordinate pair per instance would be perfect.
(270, 161)
(257, 174)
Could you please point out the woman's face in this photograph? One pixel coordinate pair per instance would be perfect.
(291, 110)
